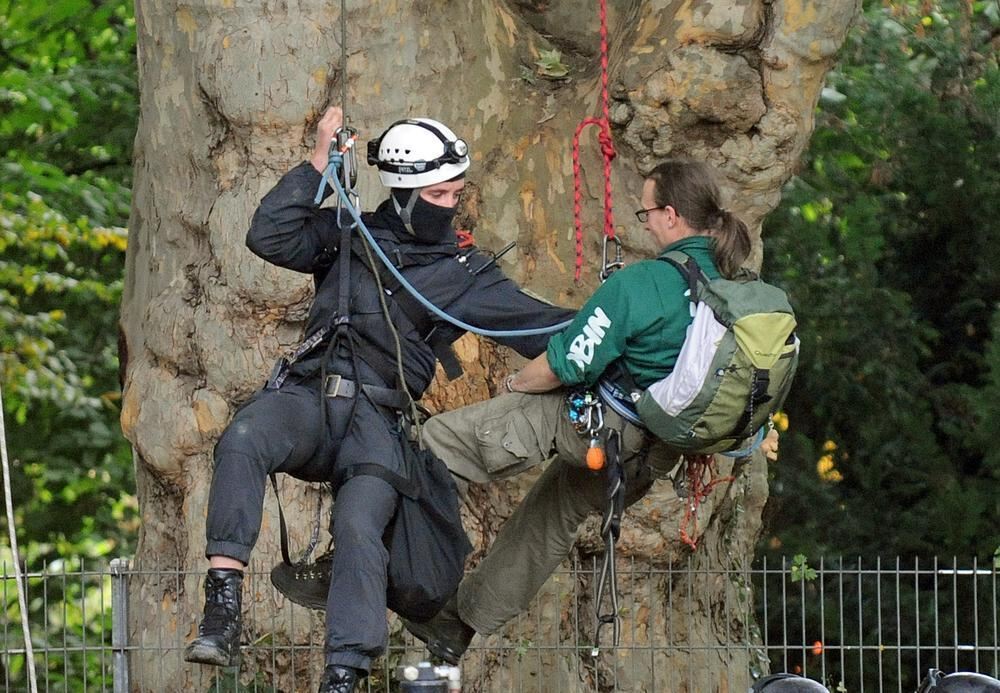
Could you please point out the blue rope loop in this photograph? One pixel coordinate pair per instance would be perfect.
(745, 452)
(330, 177)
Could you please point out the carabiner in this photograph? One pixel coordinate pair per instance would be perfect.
(342, 148)
(609, 267)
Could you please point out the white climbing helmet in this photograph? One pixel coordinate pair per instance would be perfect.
(417, 152)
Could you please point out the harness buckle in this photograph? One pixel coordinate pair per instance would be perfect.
(332, 385)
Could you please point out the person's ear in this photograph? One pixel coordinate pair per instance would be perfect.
(671, 215)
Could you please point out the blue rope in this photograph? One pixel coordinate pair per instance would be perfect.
(330, 176)
(749, 449)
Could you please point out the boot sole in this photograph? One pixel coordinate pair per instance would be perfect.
(437, 648)
(198, 653)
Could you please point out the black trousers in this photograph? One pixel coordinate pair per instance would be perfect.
(281, 431)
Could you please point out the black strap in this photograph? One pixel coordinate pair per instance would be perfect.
(343, 317)
(403, 485)
(336, 385)
(445, 353)
(759, 383)
(411, 307)
(281, 522)
(614, 475)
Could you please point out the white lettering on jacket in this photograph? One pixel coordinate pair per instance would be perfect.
(581, 349)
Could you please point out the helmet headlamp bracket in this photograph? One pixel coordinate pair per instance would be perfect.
(455, 151)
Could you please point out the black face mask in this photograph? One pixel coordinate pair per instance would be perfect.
(430, 223)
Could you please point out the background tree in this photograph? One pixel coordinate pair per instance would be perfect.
(888, 240)
(229, 98)
(68, 106)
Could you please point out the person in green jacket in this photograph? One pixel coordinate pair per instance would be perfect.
(636, 321)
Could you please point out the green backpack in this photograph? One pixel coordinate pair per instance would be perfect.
(734, 369)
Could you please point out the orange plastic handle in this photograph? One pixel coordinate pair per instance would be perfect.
(595, 458)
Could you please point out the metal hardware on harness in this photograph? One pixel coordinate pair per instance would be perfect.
(608, 267)
(342, 147)
(586, 412)
(333, 384)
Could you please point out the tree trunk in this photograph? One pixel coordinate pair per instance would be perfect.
(230, 94)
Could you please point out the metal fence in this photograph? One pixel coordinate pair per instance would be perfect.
(856, 625)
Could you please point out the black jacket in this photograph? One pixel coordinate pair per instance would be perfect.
(289, 230)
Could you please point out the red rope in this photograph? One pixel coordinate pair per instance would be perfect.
(607, 150)
(698, 490)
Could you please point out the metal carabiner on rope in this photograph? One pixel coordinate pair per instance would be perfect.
(342, 147)
(608, 267)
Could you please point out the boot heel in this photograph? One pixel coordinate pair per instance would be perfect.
(210, 654)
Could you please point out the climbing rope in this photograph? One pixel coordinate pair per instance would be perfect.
(21, 598)
(331, 176)
(607, 151)
(697, 491)
(343, 59)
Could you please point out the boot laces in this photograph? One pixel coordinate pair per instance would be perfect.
(222, 609)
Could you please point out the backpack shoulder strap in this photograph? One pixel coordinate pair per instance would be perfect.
(689, 269)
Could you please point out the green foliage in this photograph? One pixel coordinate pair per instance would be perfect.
(73, 604)
(61, 270)
(68, 110)
(550, 64)
(68, 104)
(800, 569)
(887, 241)
(60, 283)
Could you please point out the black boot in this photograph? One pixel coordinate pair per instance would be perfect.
(447, 636)
(218, 640)
(338, 679)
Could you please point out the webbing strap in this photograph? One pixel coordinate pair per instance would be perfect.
(689, 269)
(344, 280)
(313, 538)
(610, 530)
(403, 485)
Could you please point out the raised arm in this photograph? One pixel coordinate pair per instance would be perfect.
(289, 229)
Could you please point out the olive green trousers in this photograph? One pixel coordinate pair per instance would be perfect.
(509, 434)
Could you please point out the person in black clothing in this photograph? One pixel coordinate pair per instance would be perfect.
(351, 372)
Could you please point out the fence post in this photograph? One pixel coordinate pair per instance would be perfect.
(119, 623)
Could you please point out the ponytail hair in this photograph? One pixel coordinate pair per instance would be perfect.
(732, 243)
(690, 188)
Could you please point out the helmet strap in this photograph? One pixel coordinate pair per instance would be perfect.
(405, 213)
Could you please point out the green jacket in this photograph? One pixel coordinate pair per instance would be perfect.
(640, 314)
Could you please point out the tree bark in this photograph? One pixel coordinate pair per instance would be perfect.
(230, 94)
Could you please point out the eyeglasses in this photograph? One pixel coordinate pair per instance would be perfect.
(643, 214)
